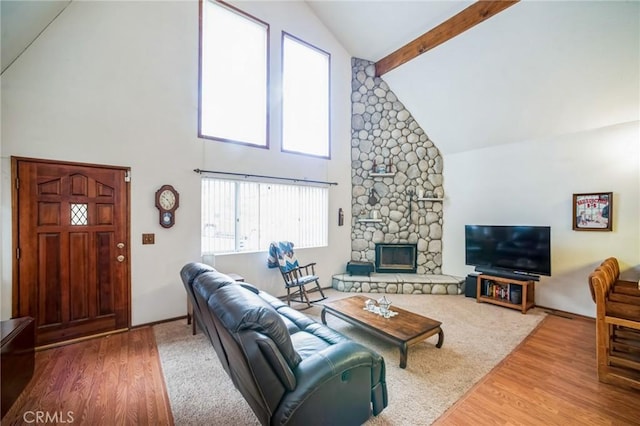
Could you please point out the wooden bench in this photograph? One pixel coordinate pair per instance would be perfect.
(617, 325)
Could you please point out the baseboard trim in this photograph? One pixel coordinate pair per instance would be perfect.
(151, 324)
(80, 339)
(564, 314)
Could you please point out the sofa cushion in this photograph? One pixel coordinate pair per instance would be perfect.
(211, 281)
(301, 322)
(325, 333)
(307, 344)
(291, 326)
(252, 288)
(190, 271)
(273, 301)
(298, 318)
(240, 309)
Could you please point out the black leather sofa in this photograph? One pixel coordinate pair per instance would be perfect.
(290, 369)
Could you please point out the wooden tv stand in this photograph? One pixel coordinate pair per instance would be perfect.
(507, 292)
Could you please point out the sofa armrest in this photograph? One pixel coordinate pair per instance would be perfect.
(336, 362)
(336, 359)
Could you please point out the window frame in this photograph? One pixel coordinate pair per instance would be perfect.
(282, 124)
(267, 71)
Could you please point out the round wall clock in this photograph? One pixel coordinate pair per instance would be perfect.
(167, 201)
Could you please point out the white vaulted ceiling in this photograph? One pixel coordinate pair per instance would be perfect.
(373, 29)
(22, 22)
(535, 70)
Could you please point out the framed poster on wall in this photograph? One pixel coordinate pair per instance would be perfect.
(593, 211)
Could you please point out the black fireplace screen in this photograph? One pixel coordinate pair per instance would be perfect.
(396, 257)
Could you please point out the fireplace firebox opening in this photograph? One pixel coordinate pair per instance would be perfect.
(396, 257)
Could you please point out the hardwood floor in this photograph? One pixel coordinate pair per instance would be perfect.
(550, 379)
(112, 380)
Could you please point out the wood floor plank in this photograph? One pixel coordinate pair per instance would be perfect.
(111, 380)
(550, 379)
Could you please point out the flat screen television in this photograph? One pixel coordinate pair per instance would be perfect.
(511, 250)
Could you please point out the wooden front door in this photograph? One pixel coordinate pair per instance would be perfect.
(71, 242)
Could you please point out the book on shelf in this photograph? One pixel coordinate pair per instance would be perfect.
(496, 290)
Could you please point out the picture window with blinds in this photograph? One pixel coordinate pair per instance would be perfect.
(240, 216)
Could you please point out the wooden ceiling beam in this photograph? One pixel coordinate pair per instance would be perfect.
(457, 24)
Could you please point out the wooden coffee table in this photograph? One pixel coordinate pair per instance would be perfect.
(404, 329)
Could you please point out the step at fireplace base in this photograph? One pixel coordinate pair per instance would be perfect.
(399, 283)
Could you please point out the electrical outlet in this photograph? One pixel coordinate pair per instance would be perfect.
(148, 238)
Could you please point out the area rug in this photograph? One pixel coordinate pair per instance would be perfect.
(477, 336)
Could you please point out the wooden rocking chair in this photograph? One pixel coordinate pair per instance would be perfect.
(295, 277)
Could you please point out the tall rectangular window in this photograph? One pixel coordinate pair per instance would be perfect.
(246, 216)
(305, 98)
(233, 75)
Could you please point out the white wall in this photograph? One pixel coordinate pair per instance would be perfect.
(532, 183)
(116, 83)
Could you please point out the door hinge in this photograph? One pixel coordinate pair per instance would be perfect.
(127, 176)
(18, 253)
(17, 183)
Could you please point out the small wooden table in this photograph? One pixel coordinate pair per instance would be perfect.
(404, 329)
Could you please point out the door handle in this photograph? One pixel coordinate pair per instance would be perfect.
(120, 258)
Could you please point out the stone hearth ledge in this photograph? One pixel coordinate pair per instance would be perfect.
(399, 283)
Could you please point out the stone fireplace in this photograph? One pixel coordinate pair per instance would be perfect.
(396, 175)
(396, 257)
(397, 195)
